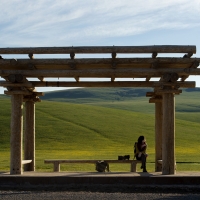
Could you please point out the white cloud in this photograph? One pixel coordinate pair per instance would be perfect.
(48, 22)
(97, 22)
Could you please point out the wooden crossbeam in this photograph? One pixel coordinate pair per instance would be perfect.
(150, 94)
(23, 92)
(9, 84)
(168, 91)
(155, 100)
(96, 61)
(103, 73)
(94, 84)
(101, 49)
(189, 84)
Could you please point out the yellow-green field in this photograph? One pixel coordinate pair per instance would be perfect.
(103, 130)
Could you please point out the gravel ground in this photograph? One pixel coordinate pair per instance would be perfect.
(101, 192)
(43, 195)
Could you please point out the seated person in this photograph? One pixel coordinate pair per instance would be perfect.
(140, 151)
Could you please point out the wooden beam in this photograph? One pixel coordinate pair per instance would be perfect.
(170, 91)
(9, 84)
(188, 55)
(183, 78)
(112, 79)
(105, 84)
(16, 78)
(155, 100)
(101, 73)
(77, 79)
(41, 78)
(38, 93)
(21, 92)
(150, 94)
(30, 55)
(148, 78)
(195, 64)
(154, 54)
(178, 84)
(32, 84)
(95, 61)
(34, 100)
(94, 84)
(101, 49)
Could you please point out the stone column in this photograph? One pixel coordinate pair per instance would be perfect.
(16, 134)
(29, 136)
(168, 136)
(158, 135)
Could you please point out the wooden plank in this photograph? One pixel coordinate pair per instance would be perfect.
(101, 49)
(150, 94)
(168, 91)
(155, 100)
(15, 92)
(189, 84)
(98, 63)
(178, 84)
(9, 84)
(95, 73)
(23, 92)
(65, 61)
(94, 84)
(107, 84)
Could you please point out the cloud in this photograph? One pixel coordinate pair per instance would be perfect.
(92, 22)
(48, 22)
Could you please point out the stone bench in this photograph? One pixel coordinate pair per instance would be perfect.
(159, 162)
(57, 163)
(26, 162)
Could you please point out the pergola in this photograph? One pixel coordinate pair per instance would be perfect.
(172, 73)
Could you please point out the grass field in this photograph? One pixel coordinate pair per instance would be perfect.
(104, 129)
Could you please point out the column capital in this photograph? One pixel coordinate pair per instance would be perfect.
(171, 91)
(157, 99)
(32, 97)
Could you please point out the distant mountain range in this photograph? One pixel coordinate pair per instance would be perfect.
(89, 95)
(81, 95)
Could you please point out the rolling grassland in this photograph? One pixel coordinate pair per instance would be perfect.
(101, 127)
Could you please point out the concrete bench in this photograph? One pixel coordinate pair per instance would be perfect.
(159, 162)
(26, 162)
(57, 163)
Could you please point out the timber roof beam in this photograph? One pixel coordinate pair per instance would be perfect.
(102, 49)
(16, 72)
(32, 84)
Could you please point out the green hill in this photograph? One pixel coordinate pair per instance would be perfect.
(88, 95)
(103, 129)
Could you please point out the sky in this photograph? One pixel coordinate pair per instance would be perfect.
(50, 23)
